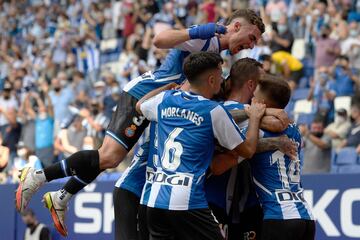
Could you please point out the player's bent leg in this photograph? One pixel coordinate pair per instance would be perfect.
(111, 153)
(126, 206)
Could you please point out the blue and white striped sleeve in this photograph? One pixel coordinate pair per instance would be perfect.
(149, 108)
(196, 45)
(225, 130)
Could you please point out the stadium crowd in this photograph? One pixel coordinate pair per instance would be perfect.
(63, 65)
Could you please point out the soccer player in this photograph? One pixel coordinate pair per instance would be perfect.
(188, 122)
(231, 195)
(127, 192)
(243, 30)
(277, 178)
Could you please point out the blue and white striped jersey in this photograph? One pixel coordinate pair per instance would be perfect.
(277, 181)
(187, 126)
(133, 178)
(171, 69)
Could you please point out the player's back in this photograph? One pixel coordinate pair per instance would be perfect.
(171, 68)
(185, 149)
(278, 181)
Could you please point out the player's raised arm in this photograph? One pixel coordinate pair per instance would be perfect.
(172, 37)
(248, 148)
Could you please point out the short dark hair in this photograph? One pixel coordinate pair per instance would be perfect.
(243, 70)
(343, 57)
(28, 212)
(265, 57)
(250, 16)
(197, 63)
(276, 89)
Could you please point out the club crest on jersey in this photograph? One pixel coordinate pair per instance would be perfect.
(130, 131)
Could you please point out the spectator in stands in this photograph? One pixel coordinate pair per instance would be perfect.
(70, 140)
(61, 98)
(322, 93)
(95, 121)
(281, 37)
(339, 129)
(317, 147)
(9, 127)
(327, 49)
(353, 138)
(267, 63)
(4, 155)
(110, 101)
(295, 13)
(8, 108)
(99, 90)
(289, 67)
(24, 158)
(44, 127)
(350, 37)
(344, 76)
(275, 9)
(34, 229)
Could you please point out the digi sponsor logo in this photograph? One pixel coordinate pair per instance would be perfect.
(288, 196)
(172, 179)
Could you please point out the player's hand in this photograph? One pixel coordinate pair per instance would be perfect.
(206, 31)
(172, 86)
(256, 110)
(288, 147)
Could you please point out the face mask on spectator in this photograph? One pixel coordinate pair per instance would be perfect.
(281, 28)
(353, 33)
(87, 147)
(318, 134)
(98, 92)
(340, 119)
(21, 152)
(42, 115)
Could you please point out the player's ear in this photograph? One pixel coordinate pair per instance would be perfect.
(237, 26)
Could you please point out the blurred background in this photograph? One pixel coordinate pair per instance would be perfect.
(64, 63)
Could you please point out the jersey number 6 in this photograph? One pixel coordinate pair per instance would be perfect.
(170, 159)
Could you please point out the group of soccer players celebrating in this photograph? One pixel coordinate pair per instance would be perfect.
(220, 158)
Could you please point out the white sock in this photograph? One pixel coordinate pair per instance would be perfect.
(39, 176)
(62, 197)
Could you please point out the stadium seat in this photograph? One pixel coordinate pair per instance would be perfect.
(346, 156)
(304, 82)
(342, 102)
(300, 93)
(302, 106)
(298, 48)
(305, 118)
(334, 167)
(289, 109)
(349, 169)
